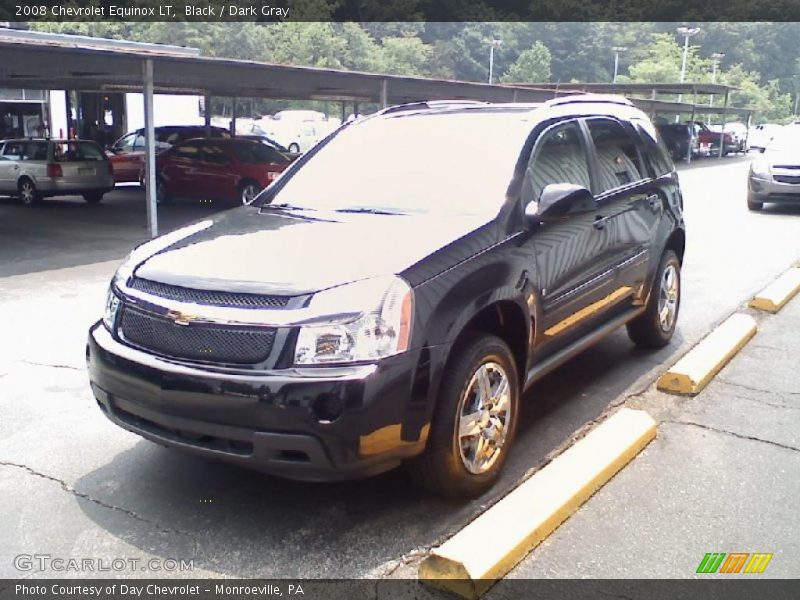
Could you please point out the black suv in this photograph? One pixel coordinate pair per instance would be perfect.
(382, 303)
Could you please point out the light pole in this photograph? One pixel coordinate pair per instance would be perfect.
(686, 32)
(617, 50)
(493, 43)
(715, 58)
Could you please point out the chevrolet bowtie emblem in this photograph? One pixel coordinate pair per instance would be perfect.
(180, 318)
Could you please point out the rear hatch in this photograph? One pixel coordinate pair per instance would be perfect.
(81, 162)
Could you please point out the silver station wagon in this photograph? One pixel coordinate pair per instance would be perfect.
(32, 169)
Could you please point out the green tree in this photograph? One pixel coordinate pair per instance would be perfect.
(532, 65)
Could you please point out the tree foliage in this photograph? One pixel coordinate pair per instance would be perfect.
(762, 59)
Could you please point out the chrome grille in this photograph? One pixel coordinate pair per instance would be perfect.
(213, 298)
(196, 341)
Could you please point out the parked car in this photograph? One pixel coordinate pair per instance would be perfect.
(680, 139)
(761, 135)
(298, 136)
(357, 316)
(709, 140)
(775, 175)
(737, 131)
(127, 153)
(223, 169)
(33, 169)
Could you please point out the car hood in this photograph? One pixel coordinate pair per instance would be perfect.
(281, 252)
(783, 157)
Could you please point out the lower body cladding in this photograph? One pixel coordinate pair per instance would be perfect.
(778, 192)
(315, 424)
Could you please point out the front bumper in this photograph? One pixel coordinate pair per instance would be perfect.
(273, 421)
(773, 191)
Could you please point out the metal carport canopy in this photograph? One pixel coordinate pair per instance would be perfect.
(79, 63)
(53, 61)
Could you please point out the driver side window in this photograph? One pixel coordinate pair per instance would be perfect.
(559, 157)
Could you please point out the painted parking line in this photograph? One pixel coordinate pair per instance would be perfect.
(471, 561)
(696, 369)
(773, 297)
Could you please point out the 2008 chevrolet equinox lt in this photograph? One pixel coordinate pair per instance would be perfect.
(390, 297)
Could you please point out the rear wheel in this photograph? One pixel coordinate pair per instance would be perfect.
(93, 197)
(248, 192)
(655, 326)
(28, 192)
(294, 147)
(474, 421)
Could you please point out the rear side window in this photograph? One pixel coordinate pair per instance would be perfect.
(215, 155)
(654, 150)
(76, 151)
(617, 158)
(189, 151)
(559, 157)
(256, 152)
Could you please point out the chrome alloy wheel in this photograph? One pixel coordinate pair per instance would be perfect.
(249, 193)
(484, 417)
(668, 296)
(27, 192)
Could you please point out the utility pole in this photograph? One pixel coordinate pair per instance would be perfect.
(493, 43)
(617, 50)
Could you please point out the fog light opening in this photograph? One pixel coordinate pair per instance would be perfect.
(327, 408)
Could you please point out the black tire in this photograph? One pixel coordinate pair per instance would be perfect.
(294, 148)
(93, 197)
(753, 203)
(647, 330)
(441, 468)
(27, 192)
(248, 187)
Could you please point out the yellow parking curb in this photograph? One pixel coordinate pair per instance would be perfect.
(471, 561)
(779, 292)
(693, 372)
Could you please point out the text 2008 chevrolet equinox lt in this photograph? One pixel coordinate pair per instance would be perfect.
(389, 298)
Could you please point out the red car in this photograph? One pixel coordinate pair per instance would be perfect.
(127, 153)
(222, 169)
(711, 139)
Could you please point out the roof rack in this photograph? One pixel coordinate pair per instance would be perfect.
(589, 98)
(429, 104)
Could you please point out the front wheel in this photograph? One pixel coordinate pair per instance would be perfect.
(28, 192)
(474, 421)
(655, 326)
(753, 203)
(93, 197)
(294, 148)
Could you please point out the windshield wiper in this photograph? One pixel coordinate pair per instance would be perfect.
(370, 211)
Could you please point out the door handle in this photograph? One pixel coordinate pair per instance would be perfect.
(599, 222)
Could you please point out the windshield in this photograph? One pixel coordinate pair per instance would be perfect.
(454, 163)
(77, 151)
(786, 139)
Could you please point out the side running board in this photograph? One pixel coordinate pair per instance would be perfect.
(554, 361)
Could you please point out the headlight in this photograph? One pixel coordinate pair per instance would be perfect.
(124, 271)
(112, 306)
(365, 320)
(759, 168)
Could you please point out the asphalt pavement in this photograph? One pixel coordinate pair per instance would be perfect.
(74, 485)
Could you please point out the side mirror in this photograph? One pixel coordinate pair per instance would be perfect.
(558, 199)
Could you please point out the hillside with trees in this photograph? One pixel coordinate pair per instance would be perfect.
(762, 59)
